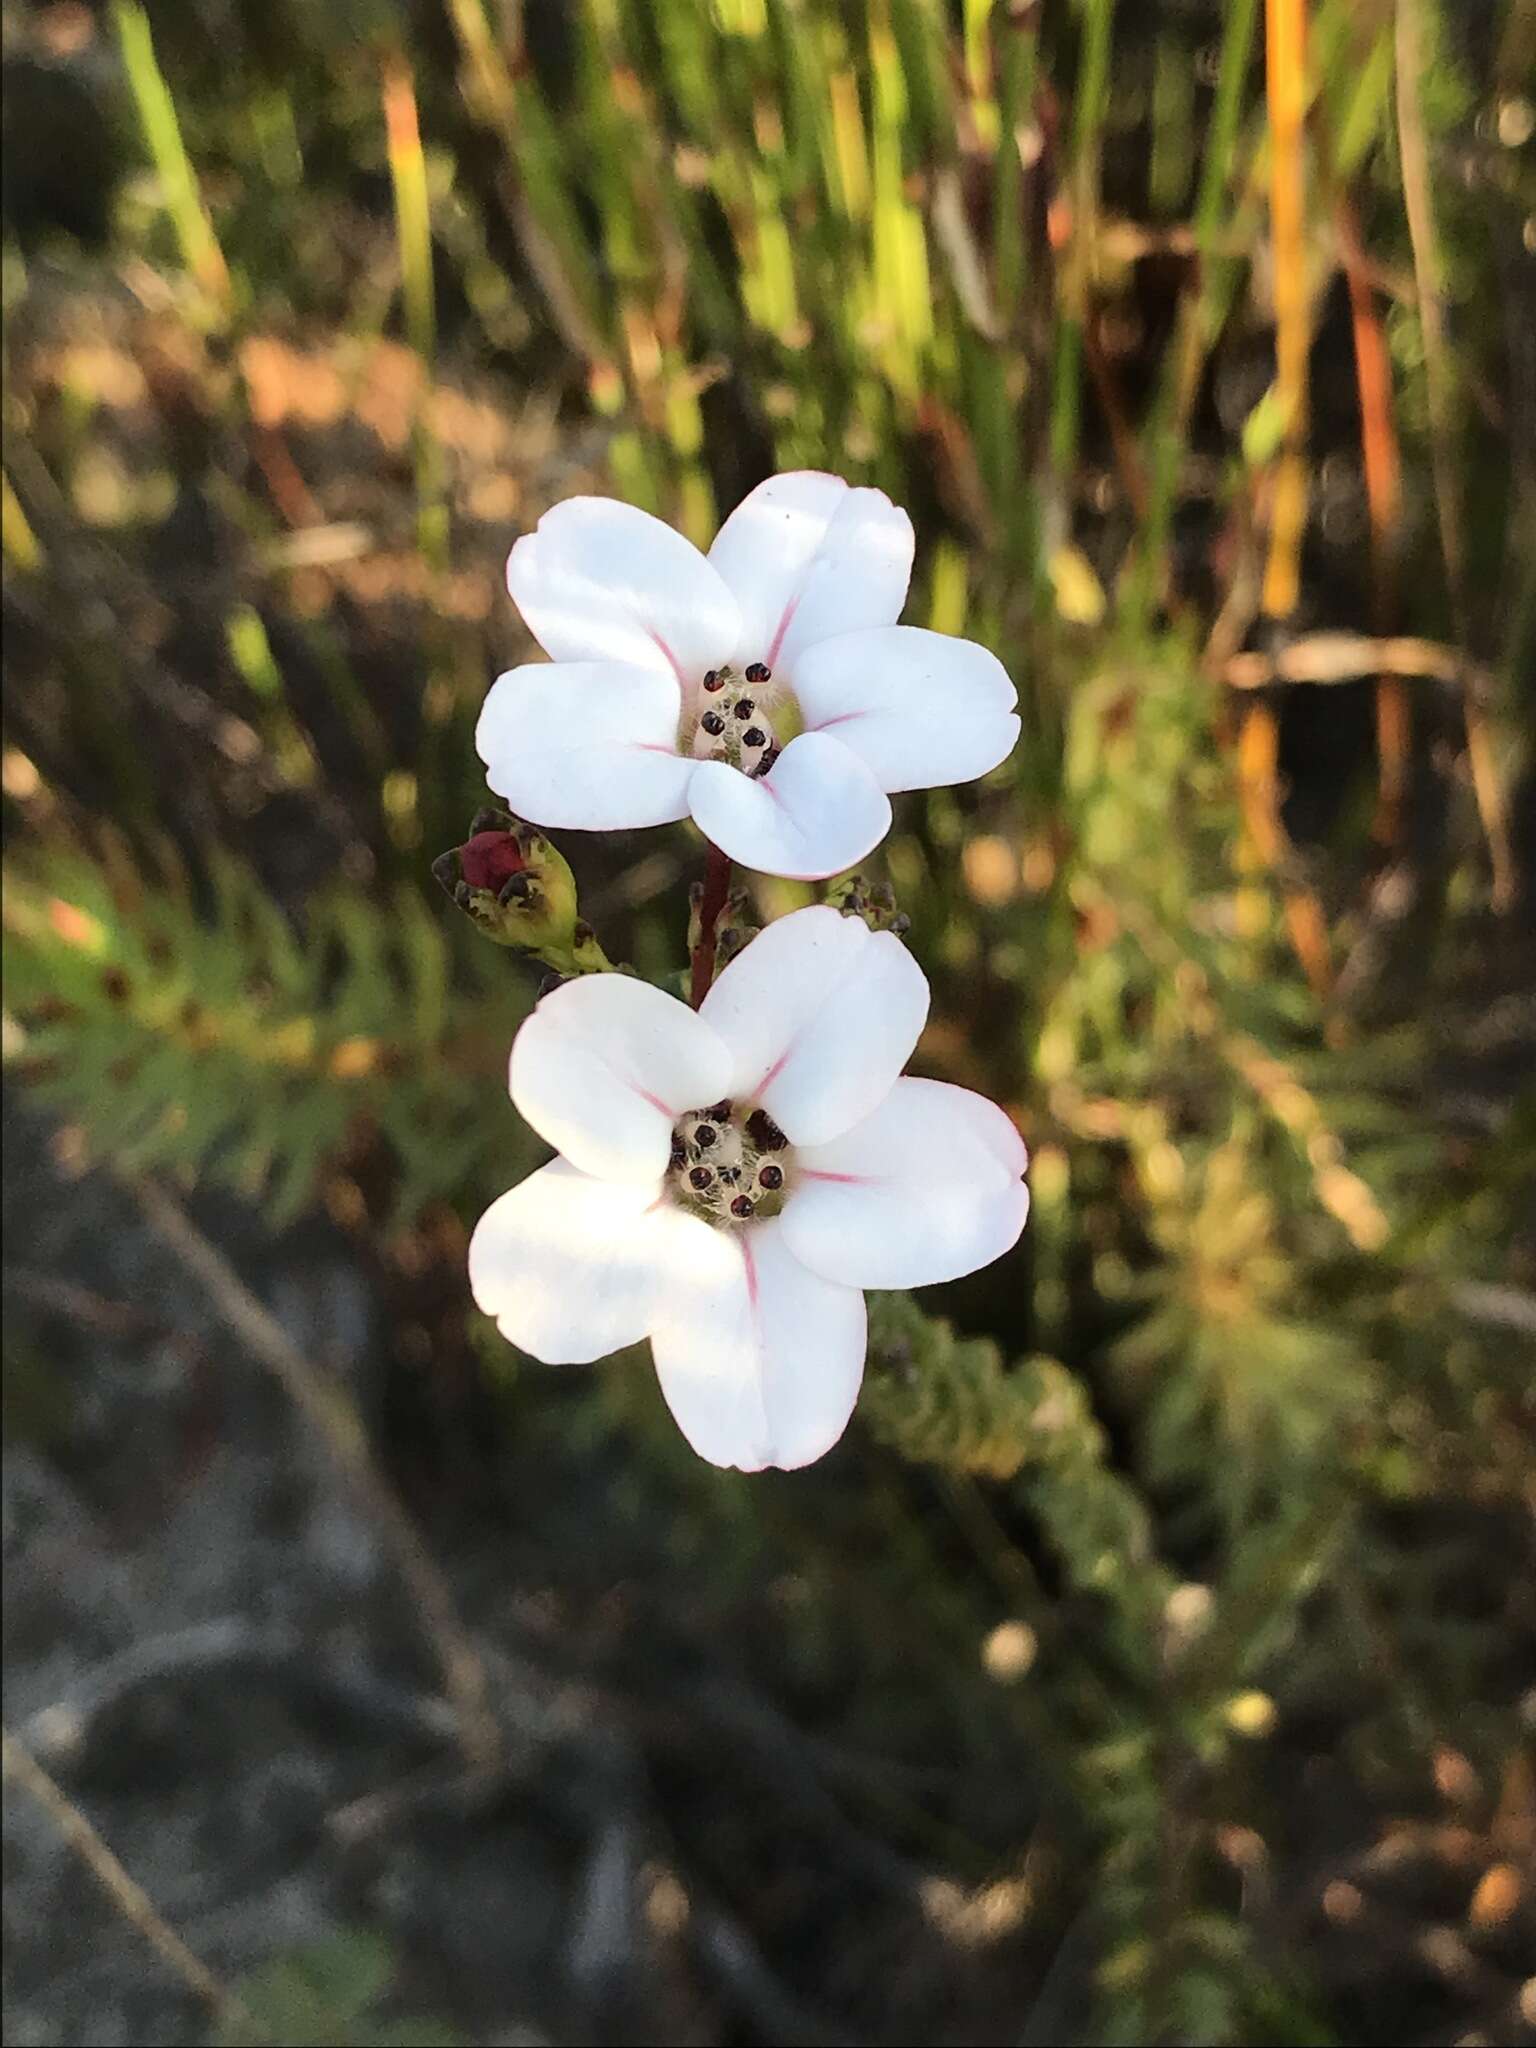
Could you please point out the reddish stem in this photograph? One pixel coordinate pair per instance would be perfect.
(717, 885)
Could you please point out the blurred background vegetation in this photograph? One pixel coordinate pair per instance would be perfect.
(1156, 1659)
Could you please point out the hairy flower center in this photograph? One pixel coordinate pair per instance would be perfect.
(730, 1164)
(730, 722)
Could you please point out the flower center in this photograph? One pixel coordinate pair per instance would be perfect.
(731, 723)
(730, 1164)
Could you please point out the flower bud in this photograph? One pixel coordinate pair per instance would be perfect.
(518, 888)
(874, 903)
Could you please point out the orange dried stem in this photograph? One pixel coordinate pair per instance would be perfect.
(1258, 750)
(1383, 492)
(1285, 24)
(1285, 33)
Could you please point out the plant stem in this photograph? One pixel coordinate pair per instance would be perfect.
(717, 883)
(128, 1897)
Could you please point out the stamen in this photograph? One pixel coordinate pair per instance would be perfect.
(745, 707)
(713, 724)
(758, 672)
(713, 680)
(719, 1172)
(754, 736)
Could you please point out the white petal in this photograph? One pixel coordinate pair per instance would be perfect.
(606, 1065)
(603, 581)
(587, 744)
(918, 708)
(565, 1264)
(926, 1188)
(817, 811)
(807, 555)
(759, 1359)
(821, 1015)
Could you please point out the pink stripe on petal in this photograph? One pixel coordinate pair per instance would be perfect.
(750, 1264)
(775, 1070)
(786, 619)
(677, 666)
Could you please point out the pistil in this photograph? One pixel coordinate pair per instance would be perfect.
(731, 1164)
(734, 726)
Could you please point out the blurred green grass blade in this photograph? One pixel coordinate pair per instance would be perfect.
(162, 133)
(413, 232)
(1089, 113)
(1173, 126)
(1226, 114)
(541, 196)
(1010, 240)
(1163, 438)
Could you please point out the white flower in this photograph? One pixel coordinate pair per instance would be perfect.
(730, 1179)
(767, 691)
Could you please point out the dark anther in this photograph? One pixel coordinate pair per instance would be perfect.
(742, 1206)
(758, 672)
(720, 1114)
(705, 1135)
(754, 736)
(771, 1176)
(767, 761)
(700, 1177)
(744, 707)
(711, 679)
(764, 1132)
(713, 723)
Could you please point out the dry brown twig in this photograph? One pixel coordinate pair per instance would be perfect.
(339, 1427)
(127, 1895)
(1347, 657)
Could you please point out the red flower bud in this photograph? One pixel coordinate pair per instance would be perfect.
(489, 860)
